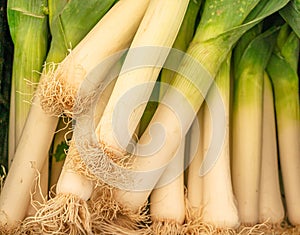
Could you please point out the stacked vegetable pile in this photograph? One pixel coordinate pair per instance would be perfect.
(153, 117)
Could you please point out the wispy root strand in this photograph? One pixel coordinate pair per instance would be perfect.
(267, 228)
(108, 227)
(63, 214)
(8, 230)
(108, 217)
(167, 227)
(58, 96)
(106, 164)
(196, 226)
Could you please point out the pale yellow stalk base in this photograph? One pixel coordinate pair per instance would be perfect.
(167, 207)
(219, 209)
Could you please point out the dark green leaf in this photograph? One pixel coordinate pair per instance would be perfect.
(60, 153)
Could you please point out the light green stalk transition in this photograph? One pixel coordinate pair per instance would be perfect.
(282, 69)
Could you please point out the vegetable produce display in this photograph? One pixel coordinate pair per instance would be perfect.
(150, 117)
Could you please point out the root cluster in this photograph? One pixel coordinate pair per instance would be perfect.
(63, 214)
(57, 96)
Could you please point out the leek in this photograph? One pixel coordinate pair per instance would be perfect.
(167, 219)
(247, 125)
(122, 25)
(194, 181)
(219, 212)
(34, 148)
(271, 208)
(28, 26)
(282, 69)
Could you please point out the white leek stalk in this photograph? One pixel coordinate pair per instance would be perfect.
(194, 180)
(270, 203)
(167, 218)
(219, 204)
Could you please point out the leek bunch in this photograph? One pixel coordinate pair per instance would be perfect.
(152, 117)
